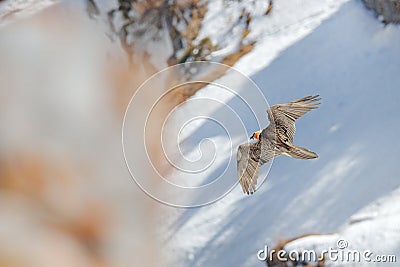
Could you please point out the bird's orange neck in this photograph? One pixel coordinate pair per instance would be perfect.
(256, 135)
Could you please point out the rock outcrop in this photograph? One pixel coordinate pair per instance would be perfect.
(388, 9)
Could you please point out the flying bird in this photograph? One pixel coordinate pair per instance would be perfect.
(275, 140)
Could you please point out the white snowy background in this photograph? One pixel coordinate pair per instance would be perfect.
(337, 49)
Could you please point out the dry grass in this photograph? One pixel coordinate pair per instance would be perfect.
(190, 13)
(281, 246)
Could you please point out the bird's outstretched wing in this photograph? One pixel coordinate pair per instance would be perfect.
(247, 168)
(285, 115)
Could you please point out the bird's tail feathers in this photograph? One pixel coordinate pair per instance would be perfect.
(301, 153)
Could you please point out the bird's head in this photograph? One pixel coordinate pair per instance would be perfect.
(256, 135)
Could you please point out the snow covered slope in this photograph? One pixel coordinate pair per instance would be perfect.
(372, 235)
(352, 61)
(288, 22)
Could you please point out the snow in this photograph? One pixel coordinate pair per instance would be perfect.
(364, 231)
(381, 222)
(352, 61)
(288, 22)
(335, 48)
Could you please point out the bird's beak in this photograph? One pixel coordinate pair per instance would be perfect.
(252, 137)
